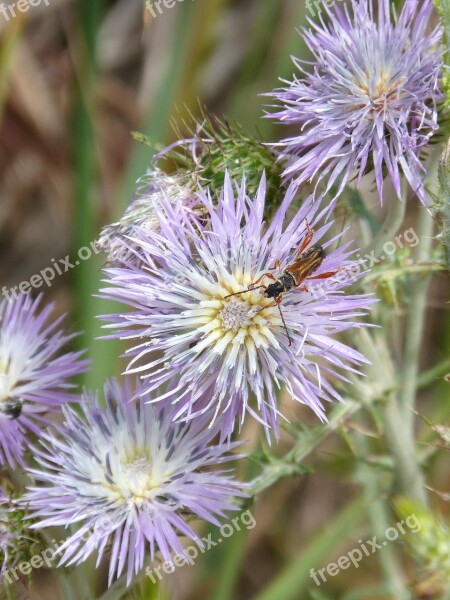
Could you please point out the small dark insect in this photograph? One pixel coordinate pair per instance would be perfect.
(12, 408)
(302, 267)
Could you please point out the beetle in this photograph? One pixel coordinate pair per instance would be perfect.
(305, 263)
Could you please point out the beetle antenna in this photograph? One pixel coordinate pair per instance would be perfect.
(250, 289)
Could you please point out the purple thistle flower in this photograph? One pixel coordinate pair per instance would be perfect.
(140, 211)
(370, 102)
(220, 350)
(33, 373)
(131, 479)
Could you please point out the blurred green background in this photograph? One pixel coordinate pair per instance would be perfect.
(76, 77)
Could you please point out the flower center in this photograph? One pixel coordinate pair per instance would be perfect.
(247, 318)
(381, 90)
(137, 477)
(236, 314)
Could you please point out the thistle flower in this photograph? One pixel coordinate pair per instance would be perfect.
(131, 477)
(212, 146)
(220, 349)
(33, 373)
(208, 148)
(370, 102)
(141, 212)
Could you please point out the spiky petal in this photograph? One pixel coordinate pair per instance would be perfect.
(129, 477)
(34, 372)
(229, 355)
(370, 100)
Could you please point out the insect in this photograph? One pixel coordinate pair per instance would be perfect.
(302, 267)
(12, 408)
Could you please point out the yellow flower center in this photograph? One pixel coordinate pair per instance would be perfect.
(137, 477)
(247, 318)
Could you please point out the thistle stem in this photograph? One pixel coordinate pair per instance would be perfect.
(289, 463)
(379, 520)
(400, 440)
(399, 416)
(416, 322)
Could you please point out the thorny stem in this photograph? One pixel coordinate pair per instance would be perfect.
(416, 322)
(399, 416)
(307, 442)
(400, 440)
(379, 520)
(402, 409)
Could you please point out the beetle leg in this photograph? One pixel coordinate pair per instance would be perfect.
(269, 275)
(277, 265)
(277, 302)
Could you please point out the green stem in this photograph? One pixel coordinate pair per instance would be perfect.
(416, 322)
(288, 465)
(399, 430)
(392, 223)
(400, 410)
(381, 383)
(380, 522)
(402, 446)
(443, 7)
(67, 590)
(80, 575)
